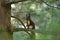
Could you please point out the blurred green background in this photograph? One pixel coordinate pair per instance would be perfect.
(44, 13)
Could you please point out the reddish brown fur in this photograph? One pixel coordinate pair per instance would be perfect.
(31, 22)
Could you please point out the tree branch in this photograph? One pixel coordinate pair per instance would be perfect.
(49, 5)
(19, 20)
(13, 2)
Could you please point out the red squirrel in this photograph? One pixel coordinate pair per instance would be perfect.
(30, 23)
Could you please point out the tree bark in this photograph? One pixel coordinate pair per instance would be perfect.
(5, 13)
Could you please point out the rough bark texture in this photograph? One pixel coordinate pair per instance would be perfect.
(4, 22)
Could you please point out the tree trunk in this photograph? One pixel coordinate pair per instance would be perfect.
(5, 13)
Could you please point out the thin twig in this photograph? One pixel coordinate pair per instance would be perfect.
(20, 21)
(49, 5)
